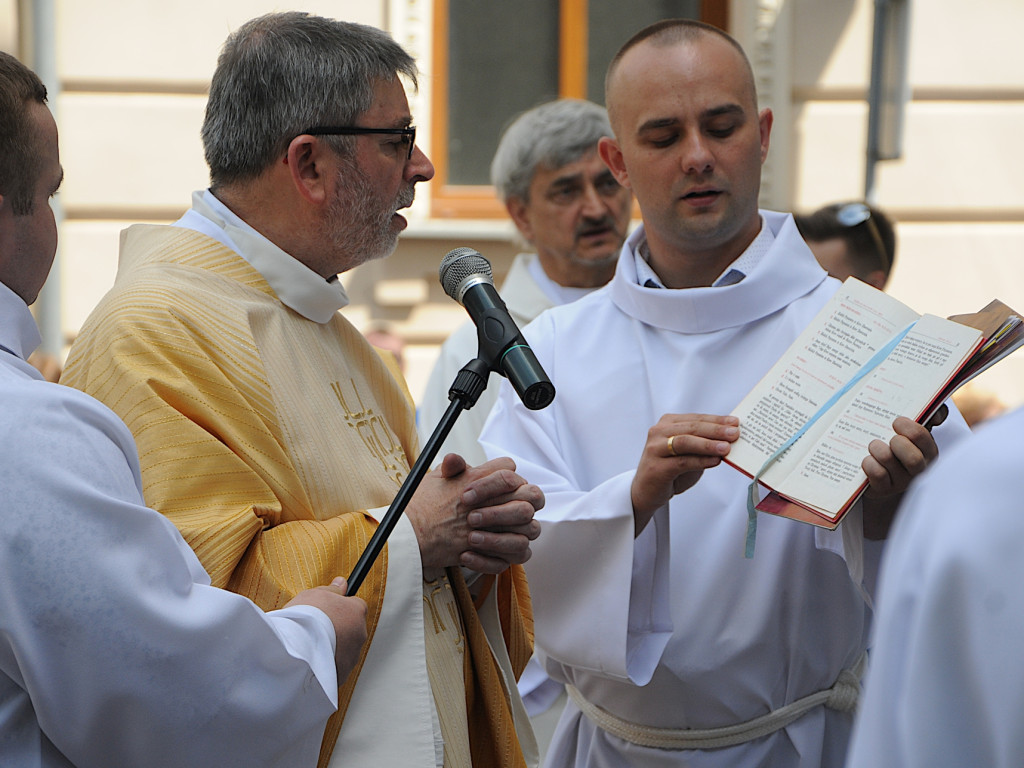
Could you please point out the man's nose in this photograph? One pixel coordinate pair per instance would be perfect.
(697, 156)
(419, 168)
(592, 205)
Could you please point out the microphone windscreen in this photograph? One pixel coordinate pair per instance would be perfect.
(459, 264)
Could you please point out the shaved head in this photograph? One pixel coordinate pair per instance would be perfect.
(689, 141)
(666, 34)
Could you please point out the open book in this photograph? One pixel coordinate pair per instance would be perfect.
(866, 359)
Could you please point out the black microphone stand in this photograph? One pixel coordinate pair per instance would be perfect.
(469, 384)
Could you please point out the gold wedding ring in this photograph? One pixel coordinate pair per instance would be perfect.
(671, 446)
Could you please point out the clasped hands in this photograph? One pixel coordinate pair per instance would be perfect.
(681, 446)
(477, 517)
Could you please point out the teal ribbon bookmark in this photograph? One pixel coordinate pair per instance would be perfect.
(870, 365)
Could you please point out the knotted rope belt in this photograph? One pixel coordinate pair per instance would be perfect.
(842, 696)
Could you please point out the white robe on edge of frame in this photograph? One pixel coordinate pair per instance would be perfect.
(675, 629)
(946, 682)
(114, 648)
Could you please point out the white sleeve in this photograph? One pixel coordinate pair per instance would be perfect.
(586, 562)
(945, 682)
(111, 637)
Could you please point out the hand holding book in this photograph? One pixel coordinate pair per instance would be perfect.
(865, 360)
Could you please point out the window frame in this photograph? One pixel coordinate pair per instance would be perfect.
(451, 201)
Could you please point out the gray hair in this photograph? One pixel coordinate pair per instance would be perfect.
(283, 73)
(552, 135)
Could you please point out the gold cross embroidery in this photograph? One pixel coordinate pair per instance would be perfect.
(375, 434)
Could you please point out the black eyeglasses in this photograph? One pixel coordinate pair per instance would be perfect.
(852, 214)
(409, 134)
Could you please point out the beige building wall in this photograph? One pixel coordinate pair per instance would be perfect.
(8, 26)
(133, 76)
(957, 193)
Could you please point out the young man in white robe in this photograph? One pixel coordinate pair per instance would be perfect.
(676, 649)
(114, 648)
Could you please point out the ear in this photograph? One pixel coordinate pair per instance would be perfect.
(518, 211)
(308, 164)
(608, 149)
(765, 121)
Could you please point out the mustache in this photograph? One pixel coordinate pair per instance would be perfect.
(405, 197)
(596, 226)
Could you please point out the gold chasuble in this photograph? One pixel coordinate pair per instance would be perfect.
(266, 438)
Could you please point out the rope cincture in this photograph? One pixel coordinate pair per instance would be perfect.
(842, 696)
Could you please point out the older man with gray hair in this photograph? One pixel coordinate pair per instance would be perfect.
(270, 431)
(572, 214)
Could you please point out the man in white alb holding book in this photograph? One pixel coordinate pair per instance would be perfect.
(677, 649)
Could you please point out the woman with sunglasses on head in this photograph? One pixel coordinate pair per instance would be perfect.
(851, 239)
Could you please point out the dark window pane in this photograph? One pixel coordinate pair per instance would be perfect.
(503, 59)
(613, 22)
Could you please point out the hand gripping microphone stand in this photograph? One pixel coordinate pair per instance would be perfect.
(501, 348)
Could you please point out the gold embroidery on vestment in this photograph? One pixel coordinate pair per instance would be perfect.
(440, 591)
(375, 434)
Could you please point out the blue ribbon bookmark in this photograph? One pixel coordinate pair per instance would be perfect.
(870, 365)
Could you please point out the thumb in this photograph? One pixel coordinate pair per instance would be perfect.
(453, 464)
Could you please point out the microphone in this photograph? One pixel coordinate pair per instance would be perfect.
(467, 278)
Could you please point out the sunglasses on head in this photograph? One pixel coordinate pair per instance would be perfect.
(854, 214)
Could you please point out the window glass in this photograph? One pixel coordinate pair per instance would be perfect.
(503, 59)
(610, 23)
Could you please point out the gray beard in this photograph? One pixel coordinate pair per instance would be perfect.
(359, 225)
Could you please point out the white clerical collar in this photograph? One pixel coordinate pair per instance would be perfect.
(296, 285)
(786, 272)
(558, 294)
(734, 273)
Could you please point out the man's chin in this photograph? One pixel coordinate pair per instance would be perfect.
(388, 241)
(604, 253)
(388, 247)
(373, 252)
